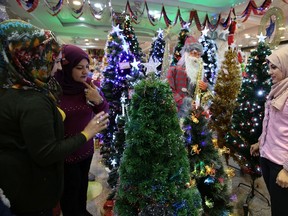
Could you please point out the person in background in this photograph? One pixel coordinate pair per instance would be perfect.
(183, 78)
(273, 142)
(81, 99)
(32, 144)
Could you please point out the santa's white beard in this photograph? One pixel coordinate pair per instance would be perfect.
(192, 67)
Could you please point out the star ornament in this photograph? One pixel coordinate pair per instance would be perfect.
(151, 66)
(135, 64)
(261, 37)
(116, 29)
(205, 31)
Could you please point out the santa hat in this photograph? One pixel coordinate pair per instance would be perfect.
(192, 44)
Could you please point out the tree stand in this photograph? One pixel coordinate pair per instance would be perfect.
(251, 195)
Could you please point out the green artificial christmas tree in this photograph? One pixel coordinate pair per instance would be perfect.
(226, 90)
(154, 170)
(131, 39)
(206, 164)
(249, 113)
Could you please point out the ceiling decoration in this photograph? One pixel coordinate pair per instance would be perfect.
(212, 25)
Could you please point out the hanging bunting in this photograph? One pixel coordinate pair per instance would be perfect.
(94, 12)
(178, 16)
(55, 9)
(256, 10)
(166, 19)
(150, 17)
(132, 15)
(194, 16)
(208, 23)
(29, 6)
(227, 22)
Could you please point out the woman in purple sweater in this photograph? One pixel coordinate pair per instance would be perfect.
(81, 100)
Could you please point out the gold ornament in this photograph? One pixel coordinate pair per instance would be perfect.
(195, 150)
(230, 172)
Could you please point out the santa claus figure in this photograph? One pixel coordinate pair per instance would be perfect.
(186, 78)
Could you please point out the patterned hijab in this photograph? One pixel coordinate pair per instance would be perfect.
(27, 55)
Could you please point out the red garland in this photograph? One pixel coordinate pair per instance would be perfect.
(27, 7)
(56, 8)
(166, 19)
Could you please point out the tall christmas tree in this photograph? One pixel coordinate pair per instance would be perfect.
(157, 50)
(226, 90)
(131, 39)
(249, 113)
(120, 72)
(154, 171)
(183, 34)
(206, 164)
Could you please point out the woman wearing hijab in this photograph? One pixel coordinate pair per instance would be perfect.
(81, 99)
(273, 142)
(32, 144)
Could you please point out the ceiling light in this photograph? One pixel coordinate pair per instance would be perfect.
(282, 37)
(156, 14)
(97, 16)
(76, 3)
(247, 36)
(96, 39)
(240, 45)
(82, 18)
(86, 40)
(281, 28)
(98, 5)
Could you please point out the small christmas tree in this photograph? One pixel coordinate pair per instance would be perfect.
(206, 164)
(154, 171)
(157, 50)
(119, 74)
(209, 58)
(183, 34)
(249, 113)
(226, 90)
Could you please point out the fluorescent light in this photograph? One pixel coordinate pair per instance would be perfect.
(76, 3)
(97, 16)
(82, 18)
(98, 5)
(96, 39)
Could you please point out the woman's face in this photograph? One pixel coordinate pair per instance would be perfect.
(80, 71)
(275, 73)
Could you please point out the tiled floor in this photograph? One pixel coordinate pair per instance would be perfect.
(244, 204)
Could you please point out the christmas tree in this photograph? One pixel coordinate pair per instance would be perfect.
(157, 50)
(119, 75)
(154, 171)
(131, 39)
(226, 90)
(209, 58)
(181, 42)
(249, 113)
(206, 164)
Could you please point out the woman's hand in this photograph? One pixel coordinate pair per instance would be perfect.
(282, 179)
(254, 149)
(92, 94)
(96, 125)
